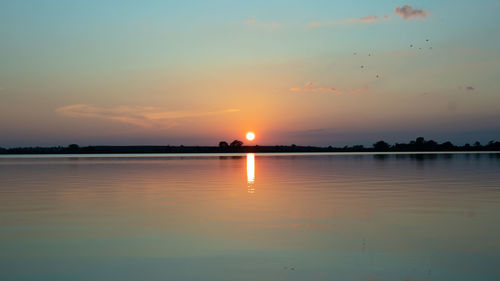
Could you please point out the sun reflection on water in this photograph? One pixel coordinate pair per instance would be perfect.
(251, 172)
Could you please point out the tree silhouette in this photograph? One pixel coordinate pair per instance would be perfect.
(447, 145)
(381, 146)
(236, 144)
(358, 147)
(223, 144)
(431, 143)
(73, 147)
(419, 144)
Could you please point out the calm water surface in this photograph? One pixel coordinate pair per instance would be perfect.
(250, 217)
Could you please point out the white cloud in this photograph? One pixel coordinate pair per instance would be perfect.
(142, 116)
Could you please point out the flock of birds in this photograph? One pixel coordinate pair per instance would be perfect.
(411, 46)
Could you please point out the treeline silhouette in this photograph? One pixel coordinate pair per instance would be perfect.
(236, 146)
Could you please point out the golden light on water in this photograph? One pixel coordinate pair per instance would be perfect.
(250, 136)
(251, 172)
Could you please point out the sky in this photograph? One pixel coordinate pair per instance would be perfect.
(294, 72)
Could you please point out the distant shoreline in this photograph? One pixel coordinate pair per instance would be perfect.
(417, 145)
(74, 149)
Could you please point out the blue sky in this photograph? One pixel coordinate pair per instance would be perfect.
(196, 72)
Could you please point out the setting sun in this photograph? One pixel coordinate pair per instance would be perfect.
(250, 136)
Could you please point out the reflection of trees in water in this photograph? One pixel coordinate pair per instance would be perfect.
(381, 157)
(421, 156)
(494, 155)
(230, 157)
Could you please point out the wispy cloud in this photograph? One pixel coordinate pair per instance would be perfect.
(320, 23)
(367, 19)
(142, 116)
(311, 87)
(252, 21)
(467, 88)
(309, 84)
(408, 12)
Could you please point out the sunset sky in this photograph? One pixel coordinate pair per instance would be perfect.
(197, 72)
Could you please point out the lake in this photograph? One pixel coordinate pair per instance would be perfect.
(250, 217)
